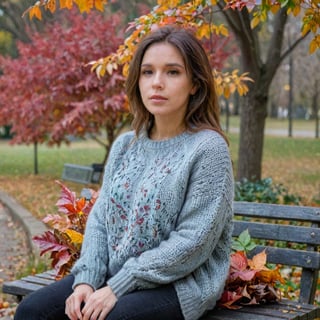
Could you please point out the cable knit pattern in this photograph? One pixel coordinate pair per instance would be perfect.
(164, 215)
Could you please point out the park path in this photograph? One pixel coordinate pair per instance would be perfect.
(283, 132)
(14, 253)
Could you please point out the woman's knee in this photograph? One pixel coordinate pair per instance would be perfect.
(47, 302)
(28, 309)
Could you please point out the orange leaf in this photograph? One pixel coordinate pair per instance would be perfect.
(51, 5)
(259, 261)
(35, 12)
(70, 207)
(81, 203)
(84, 5)
(270, 276)
(66, 4)
(99, 4)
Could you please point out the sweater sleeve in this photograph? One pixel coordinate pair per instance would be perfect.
(91, 267)
(200, 224)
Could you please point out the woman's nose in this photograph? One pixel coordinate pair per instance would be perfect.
(157, 81)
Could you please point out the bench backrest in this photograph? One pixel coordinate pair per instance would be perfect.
(292, 225)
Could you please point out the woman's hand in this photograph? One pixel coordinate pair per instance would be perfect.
(75, 301)
(99, 304)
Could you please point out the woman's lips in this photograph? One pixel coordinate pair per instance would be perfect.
(158, 98)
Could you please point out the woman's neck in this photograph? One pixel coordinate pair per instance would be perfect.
(165, 132)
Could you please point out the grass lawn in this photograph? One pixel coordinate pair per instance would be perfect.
(271, 123)
(293, 162)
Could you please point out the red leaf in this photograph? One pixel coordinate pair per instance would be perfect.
(228, 299)
(48, 242)
(245, 275)
(67, 200)
(239, 261)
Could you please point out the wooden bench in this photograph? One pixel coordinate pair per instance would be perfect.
(288, 224)
(82, 174)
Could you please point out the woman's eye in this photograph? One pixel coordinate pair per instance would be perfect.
(146, 72)
(173, 72)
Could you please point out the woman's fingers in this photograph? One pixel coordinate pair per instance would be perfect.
(100, 303)
(73, 304)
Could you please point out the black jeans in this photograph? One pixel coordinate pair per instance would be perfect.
(48, 303)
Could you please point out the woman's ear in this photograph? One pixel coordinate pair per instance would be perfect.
(195, 87)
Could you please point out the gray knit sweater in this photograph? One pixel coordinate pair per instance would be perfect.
(164, 215)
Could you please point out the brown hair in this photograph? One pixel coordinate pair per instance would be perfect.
(203, 109)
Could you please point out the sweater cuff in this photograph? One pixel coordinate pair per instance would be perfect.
(122, 283)
(87, 278)
(82, 274)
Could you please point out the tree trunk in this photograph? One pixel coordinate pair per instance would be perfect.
(262, 70)
(315, 108)
(252, 116)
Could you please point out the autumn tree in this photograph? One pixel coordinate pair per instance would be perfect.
(59, 95)
(13, 27)
(262, 66)
(243, 18)
(49, 93)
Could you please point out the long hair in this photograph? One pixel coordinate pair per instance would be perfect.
(203, 109)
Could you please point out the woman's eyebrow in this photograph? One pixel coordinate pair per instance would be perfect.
(169, 64)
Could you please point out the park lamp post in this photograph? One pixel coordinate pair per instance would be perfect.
(290, 98)
(290, 102)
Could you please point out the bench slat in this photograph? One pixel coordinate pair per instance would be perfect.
(283, 310)
(290, 257)
(277, 211)
(50, 275)
(37, 280)
(298, 234)
(20, 288)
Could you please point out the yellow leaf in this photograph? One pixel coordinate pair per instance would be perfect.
(99, 4)
(84, 5)
(223, 30)
(314, 45)
(226, 92)
(168, 3)
(74, 236)
(232, 87)
(296, 10)
(242, 89)
(100, 71)
(125, 70)
(254, 22)
(203, 31)
(235, 72)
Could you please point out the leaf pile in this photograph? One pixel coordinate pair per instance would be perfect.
(65, 239)
(250, 282)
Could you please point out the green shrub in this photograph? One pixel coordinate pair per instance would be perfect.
(264, 191)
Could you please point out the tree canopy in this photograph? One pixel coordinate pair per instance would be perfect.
(58, 96)
(243, 19)
(48, 92)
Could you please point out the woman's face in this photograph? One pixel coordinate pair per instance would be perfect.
(164, 83)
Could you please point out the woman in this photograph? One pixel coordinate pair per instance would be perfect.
(157, 241)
